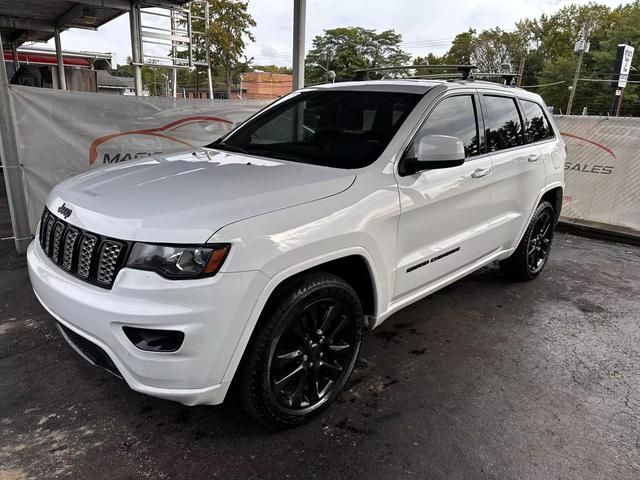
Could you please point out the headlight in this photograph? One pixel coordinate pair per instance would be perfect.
(175, 261)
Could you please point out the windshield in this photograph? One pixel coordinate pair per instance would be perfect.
(333, 128)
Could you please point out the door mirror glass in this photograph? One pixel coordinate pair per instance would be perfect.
(434, 151)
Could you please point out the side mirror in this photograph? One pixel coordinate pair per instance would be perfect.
(433, 151)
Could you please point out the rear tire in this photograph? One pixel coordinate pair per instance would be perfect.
(532, 254)
(303, 351)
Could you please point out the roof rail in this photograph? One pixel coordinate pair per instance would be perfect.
(463, 70)
(507, 77)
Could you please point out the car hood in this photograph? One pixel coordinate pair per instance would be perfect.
(185, 198)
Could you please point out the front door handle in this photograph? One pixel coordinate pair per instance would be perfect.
(534, 157)
(481, 172)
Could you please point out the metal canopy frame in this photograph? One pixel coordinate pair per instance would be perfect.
(178, 39)
(31, 20)
(22, 21)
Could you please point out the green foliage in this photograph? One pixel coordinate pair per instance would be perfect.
(544, 47)
(345, 50)
(153, 79)
(462, 48)
(553, 39)
(228, 33)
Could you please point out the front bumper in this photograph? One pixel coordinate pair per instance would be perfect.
(211, 312)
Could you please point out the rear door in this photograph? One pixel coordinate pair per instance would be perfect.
(519, 172)
(445, 213)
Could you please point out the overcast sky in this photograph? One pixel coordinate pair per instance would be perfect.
(426, 25)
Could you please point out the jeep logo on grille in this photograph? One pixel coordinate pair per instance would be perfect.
(64, 210)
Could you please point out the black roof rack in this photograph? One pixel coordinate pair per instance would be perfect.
(507, 77)
(463, 70)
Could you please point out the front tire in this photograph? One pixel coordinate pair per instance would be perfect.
(303, 351)
(532, 254)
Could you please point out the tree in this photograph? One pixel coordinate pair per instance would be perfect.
(461, 48)
(430, 59)
(228, 32)
(492, 48)
(546, 46)
(347, 49)
(153, 81)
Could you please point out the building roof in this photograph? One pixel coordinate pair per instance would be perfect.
(35, 20)
(47, 56)
(106, 80)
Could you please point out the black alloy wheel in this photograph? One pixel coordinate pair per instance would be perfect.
(533, 251)
(302, 352)
(539, 246)
(312, 355)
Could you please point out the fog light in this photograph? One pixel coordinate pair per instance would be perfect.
(154, 340)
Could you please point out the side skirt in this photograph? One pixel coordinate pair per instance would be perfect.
(438, 284)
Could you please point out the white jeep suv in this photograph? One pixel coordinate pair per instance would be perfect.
(259, 259)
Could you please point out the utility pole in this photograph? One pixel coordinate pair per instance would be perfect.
(520, 71)
(622, 67)
(582, 46)
(619, 102)
(327, 59)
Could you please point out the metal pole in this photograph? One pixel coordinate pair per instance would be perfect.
(14, 53)
(208, 56)
(326, 70)
(136, 46)
(578, 67)
(174, 54)
(62, 82)
(174, 83)
(12, 169)
(619, 102)
(190, 35)
(299, 21)
(520, 71)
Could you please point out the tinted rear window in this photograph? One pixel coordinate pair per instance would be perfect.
(537, 125)
(504, 129)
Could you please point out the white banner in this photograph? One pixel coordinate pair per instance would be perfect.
(61, 134)
(602, 172)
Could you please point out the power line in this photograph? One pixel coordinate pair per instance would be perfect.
(543, 85)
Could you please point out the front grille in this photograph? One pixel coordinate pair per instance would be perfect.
(86, 255)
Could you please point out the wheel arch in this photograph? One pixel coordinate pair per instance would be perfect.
(349, 264)
(554, 196)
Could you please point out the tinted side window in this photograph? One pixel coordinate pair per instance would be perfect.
(455, 116)
(505, 128)
(537, 125)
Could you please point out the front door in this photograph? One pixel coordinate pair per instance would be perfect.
(445, 220)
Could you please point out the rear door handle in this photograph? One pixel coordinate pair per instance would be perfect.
(534, 157)
(481, 172)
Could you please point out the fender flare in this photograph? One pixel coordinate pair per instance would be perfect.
(541, 194)
(280, 277)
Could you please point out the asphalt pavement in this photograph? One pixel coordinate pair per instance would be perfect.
(484, 380)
